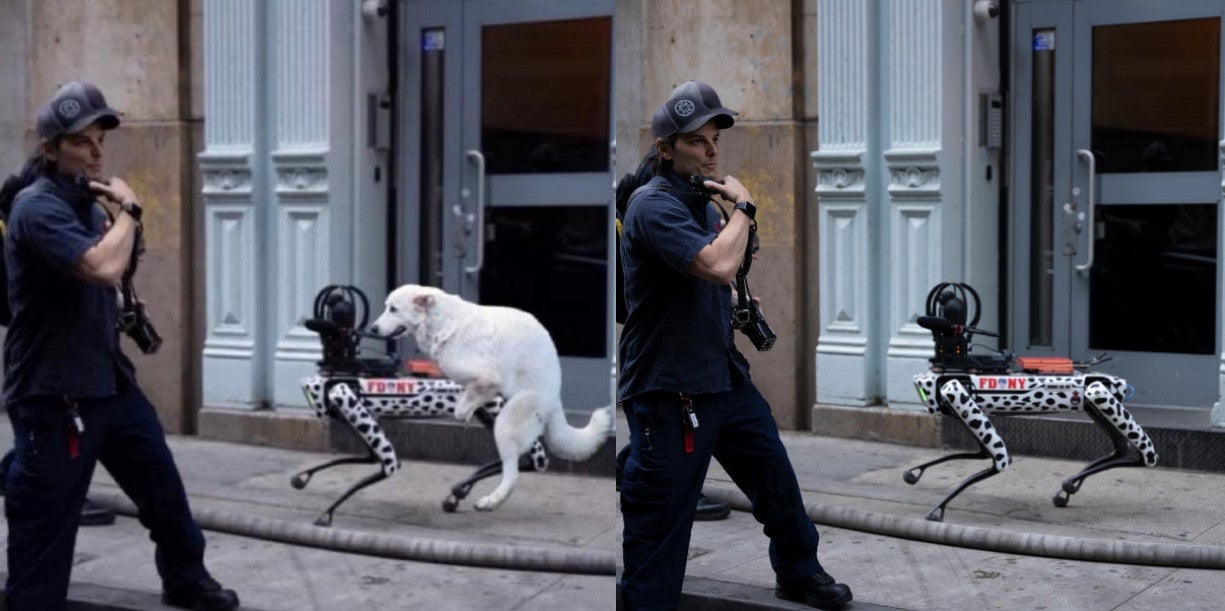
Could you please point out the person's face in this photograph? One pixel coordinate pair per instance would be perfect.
(80, 153)
(695, 152)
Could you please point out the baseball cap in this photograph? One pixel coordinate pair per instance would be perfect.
(74, 107)
(689, 107)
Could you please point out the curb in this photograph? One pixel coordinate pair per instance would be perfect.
(87, 597)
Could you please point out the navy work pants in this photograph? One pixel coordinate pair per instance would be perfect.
(50, 475)
(661, 483)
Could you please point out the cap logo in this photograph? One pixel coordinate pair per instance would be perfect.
(69, 109)
(683, 108)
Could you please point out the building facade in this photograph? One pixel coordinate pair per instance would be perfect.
(465, 144)
(1061, 156)
(143, 55)
(471, 144)
(760, 58)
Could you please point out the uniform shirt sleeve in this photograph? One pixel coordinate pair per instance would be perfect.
(51, 229)
(668, 229)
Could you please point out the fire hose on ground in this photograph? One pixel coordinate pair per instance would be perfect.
(398, 547)
(1002, 541)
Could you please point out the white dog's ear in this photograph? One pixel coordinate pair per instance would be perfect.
(423, 301)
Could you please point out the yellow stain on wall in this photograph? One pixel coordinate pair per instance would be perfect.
(774, 214)
(160, 227)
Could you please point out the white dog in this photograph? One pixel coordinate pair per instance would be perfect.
(490, 351)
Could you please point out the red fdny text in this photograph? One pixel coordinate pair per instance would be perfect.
(1000, 382)
(390, 386)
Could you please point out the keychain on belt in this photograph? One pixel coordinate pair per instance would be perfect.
(691, 421)
(78, 428)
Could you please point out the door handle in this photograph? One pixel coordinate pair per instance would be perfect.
(1087, 155)
(479, 159)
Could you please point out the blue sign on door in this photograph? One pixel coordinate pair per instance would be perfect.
(1044, 40)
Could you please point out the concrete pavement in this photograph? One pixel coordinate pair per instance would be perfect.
(114, 564)
(1158, 505)
(728, 566)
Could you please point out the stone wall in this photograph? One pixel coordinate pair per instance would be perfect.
(753, 53)
(137, 52)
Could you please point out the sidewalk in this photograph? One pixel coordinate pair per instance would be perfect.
(547, 513)
(728, 563)
(728, 566)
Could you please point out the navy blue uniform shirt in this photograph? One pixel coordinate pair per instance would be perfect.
(678, 332)
(63, 339)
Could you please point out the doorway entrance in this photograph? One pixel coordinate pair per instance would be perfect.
(506, 167)
(1117, 187)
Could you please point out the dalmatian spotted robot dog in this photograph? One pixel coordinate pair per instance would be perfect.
(970, 386)
(359, 391)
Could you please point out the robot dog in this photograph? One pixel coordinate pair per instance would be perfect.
(967, 386)
(359, 390)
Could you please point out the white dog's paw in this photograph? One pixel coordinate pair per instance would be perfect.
(464, 415)
(489, 502)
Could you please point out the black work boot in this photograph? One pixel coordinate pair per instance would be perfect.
(203, 595)
(820, 591)
(93, 514)
(709, 511)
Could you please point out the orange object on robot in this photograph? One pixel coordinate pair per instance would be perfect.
(1045, 364)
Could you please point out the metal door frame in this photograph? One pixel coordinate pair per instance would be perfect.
(1073, 23)
(463, 21)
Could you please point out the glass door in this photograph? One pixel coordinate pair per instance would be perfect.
(1118, 188)
(514, 101)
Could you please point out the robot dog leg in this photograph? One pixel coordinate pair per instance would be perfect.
(1132, 446)
(343, 402)
(957, 400)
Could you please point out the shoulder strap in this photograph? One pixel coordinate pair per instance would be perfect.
(640, 190)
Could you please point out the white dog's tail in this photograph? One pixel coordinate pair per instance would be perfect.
(572, 443)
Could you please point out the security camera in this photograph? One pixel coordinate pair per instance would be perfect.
(374, 9)
(986, 10)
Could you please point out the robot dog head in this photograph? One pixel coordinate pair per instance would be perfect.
(339, 318)
(948, 307)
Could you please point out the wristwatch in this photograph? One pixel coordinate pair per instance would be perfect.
(748, 208)
(132, 208)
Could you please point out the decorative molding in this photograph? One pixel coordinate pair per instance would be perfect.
(223, 182)
(302, 232)
(299, 40)
(301, 180)
(839, 173)
(226, 175)
(840, 179)
(835, 344)
(231, 51)
(913, 173)
(301, 174)
(914, 88)
(229, 253)
(844, 266)
(844, 35)
(914, 180)
(916, 240)
(313, 154)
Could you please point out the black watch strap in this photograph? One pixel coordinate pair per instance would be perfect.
(748, 208)
(132, 208)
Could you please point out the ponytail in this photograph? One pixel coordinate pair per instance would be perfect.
(659, 165)
(34, 167)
